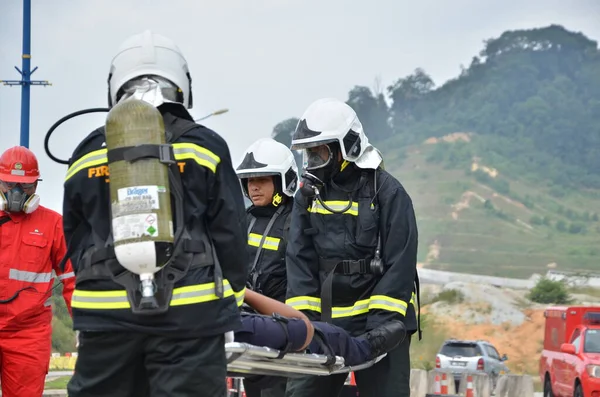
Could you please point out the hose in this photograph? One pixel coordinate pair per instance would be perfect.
(59, 122)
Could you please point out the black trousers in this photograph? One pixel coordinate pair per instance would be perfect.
(275, 387)
(390, 377)
(137, 365)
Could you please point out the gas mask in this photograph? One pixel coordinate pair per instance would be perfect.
(319, 166)
(15, 200)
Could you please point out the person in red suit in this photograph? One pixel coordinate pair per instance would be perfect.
(32, 245)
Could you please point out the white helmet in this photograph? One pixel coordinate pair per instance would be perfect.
(330, 120)
(267, 157)
(150, 54)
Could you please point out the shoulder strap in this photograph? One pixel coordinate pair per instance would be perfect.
(176, 127)
(4, 219)
(252, 221)
(262, 241)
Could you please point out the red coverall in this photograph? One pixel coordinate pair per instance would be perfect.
(31, 246)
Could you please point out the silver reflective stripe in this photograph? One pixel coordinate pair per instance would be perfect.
(30, 277)
(99, 299)
(66, 275)
(305, 304)
(212, 160)
(349, 311)
(94, 158)
(271, 243)
(387, 305)
(336, 206)
(197, 294)
(254, 239)
(48, 302)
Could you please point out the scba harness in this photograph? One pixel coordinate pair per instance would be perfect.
(191, 249)
(372, 264)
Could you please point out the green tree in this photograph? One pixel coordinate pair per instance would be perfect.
(549, 291)
(372, 111)
(63, 336)
(284, 130)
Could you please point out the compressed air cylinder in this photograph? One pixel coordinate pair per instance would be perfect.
(142, 222)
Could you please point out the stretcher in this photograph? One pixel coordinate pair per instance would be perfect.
(244, 359)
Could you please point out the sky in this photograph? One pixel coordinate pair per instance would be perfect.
(264, 60)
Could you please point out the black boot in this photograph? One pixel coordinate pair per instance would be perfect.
(385, 337)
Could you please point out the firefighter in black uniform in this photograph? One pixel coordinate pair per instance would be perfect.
(178, 352)
(269, 178)
(352, 251)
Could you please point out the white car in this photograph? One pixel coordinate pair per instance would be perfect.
(460, 356)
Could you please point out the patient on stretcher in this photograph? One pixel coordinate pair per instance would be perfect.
(290, 330)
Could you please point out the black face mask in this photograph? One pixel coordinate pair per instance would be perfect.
(318, 172)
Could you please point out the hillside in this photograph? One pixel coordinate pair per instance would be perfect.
(502, 162)
(474, 219)
(502, 316)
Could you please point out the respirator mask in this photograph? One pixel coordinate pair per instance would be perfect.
(16, 200)
(318, 167)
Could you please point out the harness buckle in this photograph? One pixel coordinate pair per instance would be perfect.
(166, 154)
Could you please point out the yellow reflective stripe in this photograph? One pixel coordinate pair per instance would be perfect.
(92, 159)
(99, 299)
(305, 303)
(387, 303)
(239, 296)
(317, 208)
(360, 307)
(202, 156)
(187, 295)
(182, 151)
(271, 243)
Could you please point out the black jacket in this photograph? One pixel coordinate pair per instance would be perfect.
(268, 276)
(212, 197)
(361, 300)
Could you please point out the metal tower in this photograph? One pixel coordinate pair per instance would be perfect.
(25, 73)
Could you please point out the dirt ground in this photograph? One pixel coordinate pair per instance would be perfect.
(522, 344)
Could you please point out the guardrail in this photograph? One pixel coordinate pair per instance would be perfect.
(471, 384)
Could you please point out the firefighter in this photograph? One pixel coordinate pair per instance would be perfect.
(352, 251)
(269, 177)
(32, 247)
(178, 352)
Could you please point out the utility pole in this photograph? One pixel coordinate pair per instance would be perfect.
(25, 73)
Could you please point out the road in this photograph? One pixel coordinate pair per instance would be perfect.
(57, 374)
(441, 277)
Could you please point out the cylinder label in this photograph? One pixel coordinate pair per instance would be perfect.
(134, 226)
(145, 194)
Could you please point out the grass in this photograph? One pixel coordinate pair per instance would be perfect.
(591, 291)
(58, 383)
(423, 352)
(449, 296)
(495, 234)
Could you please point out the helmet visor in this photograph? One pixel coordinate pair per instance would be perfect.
(317, 157)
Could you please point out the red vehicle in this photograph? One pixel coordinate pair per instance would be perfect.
(570, 361)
